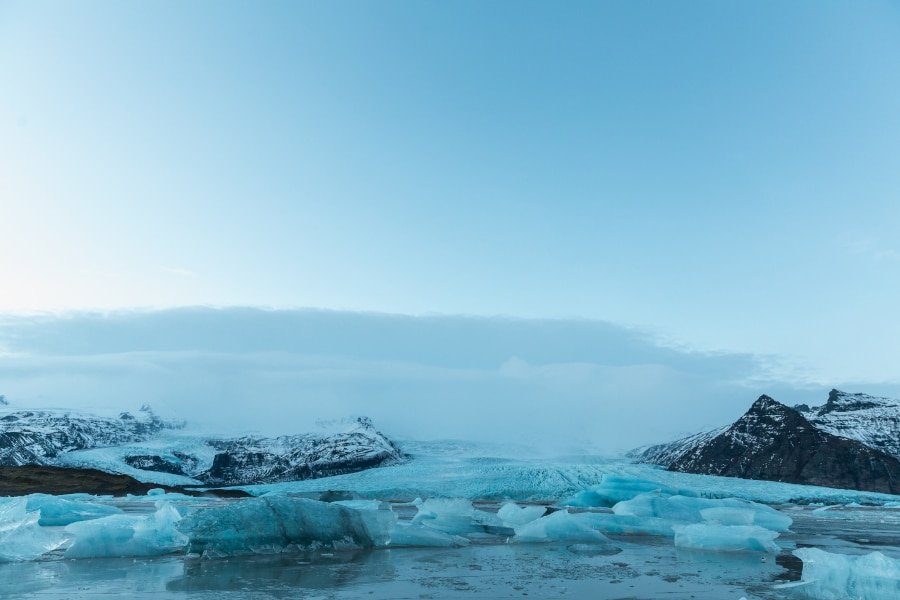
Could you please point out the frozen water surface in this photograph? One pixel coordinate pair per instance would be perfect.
(453, 524)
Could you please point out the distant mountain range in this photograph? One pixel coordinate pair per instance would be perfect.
(151, 449)
(852, 441)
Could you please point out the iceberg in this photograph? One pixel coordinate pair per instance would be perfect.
(828, 576)
(726, 538)
(512, 515)
(408, 534)
(455, 516)
(629, 524)
(271, 524)
(688, 510)
(613, 489)
(59, 511)
(560, 526)
(725, 515)
(155, 534)
(21, 536)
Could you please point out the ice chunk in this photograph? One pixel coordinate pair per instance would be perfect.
(727, 538)
(513, 515)
(21, 537)
(275, 523)
(830, 576)
(451, 515)
(364, 504)
(613, 489)
(409, 534)
(687, 509)
(629, 524)
(128, 535)
(56, 510)
(560, 526)
(724, 515)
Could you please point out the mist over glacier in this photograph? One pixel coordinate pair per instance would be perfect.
(594, 385)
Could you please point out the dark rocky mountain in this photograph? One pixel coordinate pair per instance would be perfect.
(250, 460)
(156, 451)
(774, 442)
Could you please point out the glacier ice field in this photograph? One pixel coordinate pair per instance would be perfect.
(458, 520)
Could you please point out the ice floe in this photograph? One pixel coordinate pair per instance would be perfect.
(726, 538)
(829, 576)
(155, 534)
(21, 535)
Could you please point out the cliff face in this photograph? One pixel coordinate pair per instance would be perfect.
(774, 442)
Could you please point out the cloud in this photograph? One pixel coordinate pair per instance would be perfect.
(543, 382)
(872, 249)
(180, 271)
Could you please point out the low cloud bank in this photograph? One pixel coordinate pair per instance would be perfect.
(553, 384)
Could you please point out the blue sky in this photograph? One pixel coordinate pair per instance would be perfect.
(724, 175)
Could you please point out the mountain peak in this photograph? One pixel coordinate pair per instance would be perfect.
(765, 399)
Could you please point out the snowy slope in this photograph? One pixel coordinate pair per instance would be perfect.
(40, 436)
(872, 420)
(668, 453)
(153, 450)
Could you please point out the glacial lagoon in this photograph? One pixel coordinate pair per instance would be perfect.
(460, 521)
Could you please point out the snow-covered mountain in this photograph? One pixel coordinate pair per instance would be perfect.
(357, 446)
(872, 420)
(151, 449)
(40, 436)
(847, 442)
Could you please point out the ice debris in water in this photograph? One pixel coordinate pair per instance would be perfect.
(21, 537)
(455, 516)
(629, 524)
(560, 526)
(56, 510)
(409, 534)
(613, 489)
(725, 538)
(512, 514)
(828, 576)
(271, 524)
(688, 510)
(155, 534)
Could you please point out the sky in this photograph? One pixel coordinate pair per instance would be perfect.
(721, 176)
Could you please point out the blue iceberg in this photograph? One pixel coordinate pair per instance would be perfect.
(726, 538)
(272, 524)
(21, 536)
(684, 509)
(59, 511)
(613, 489)
(561, 526)
(828, 576)
(155, 534)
